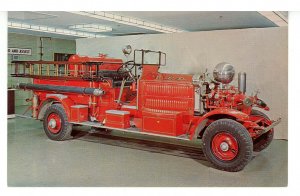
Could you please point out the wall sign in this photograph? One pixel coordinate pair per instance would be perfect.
(19, 51)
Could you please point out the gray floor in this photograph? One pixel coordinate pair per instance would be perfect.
(34, 160)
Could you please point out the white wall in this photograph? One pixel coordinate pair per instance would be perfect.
(261, 53)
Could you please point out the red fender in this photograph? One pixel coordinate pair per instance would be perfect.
(200, 123)
(63, 99)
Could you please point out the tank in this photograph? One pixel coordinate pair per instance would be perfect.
(224, 73)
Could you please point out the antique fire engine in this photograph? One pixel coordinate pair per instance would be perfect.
(135, 97)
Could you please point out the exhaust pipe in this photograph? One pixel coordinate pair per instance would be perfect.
(66, 89)
(242, 82)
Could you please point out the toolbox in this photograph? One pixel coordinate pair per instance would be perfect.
(117, 119)
(79, 113)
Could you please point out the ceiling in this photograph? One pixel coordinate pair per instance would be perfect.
(132, 23)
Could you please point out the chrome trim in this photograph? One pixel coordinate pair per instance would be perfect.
(117, 112)
(59, 96)
(129, 106)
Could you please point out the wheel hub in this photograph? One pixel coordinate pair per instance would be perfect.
(52, 123)
(224, 146)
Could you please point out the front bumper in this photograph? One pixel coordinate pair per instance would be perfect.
(274, 123)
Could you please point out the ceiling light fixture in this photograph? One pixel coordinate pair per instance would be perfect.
(54, 30)
(91, 28)
(129, 21)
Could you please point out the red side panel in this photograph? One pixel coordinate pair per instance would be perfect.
(166, 106)
(171, 96)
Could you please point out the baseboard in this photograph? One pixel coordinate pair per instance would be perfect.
(11, 116)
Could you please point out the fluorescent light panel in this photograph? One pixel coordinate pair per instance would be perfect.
(91, 28)
(54, 30)
(129, 21)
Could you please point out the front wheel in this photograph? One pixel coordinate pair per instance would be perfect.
(56, 125)
(227, 145)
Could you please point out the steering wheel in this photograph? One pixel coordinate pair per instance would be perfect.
(127, 68)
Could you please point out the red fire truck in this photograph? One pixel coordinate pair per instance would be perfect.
(135, 97)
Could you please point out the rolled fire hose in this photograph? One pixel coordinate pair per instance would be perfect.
(66, 89)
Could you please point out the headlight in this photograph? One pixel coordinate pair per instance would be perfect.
(261, 103)
(247, 101)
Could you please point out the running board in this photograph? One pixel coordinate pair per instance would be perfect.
(130, 130)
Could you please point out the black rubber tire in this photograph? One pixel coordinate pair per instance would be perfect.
(66, 127)
(264, 140)
(243, 138)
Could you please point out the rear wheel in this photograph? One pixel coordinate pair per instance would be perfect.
(56, 125)
(264, 140)
(227, 145)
